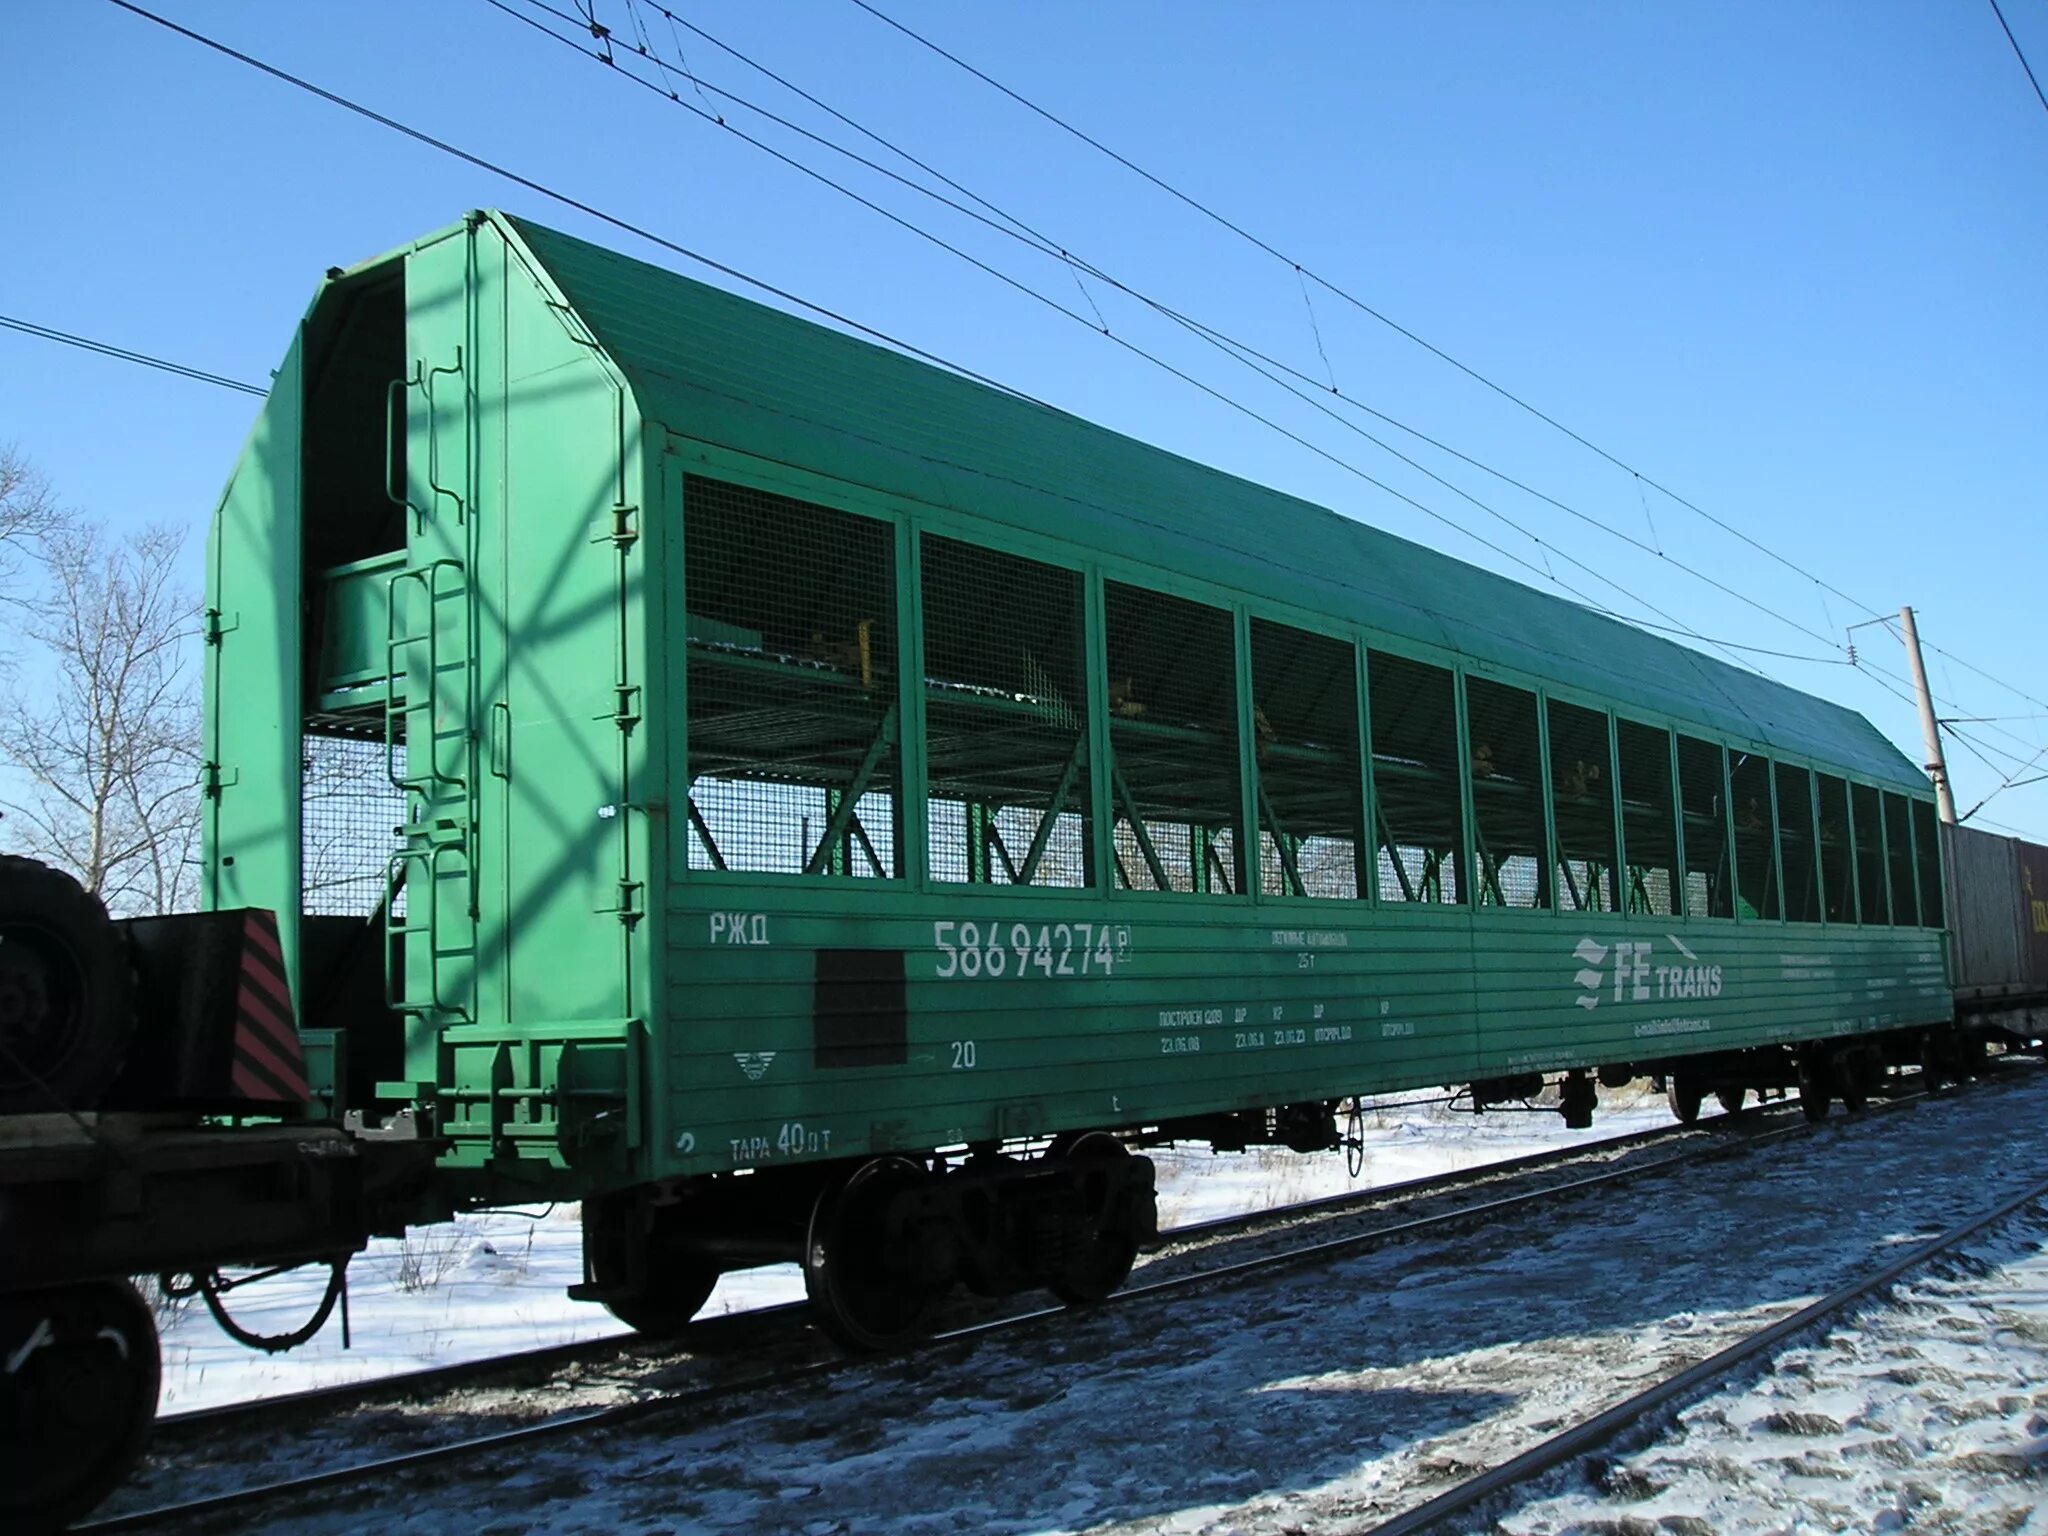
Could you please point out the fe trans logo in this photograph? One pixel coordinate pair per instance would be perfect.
(1634, 975)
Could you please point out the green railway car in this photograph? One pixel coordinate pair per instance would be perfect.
(714, 762)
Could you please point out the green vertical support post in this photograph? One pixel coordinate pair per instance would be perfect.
(1777, 864)
(1681, 901)
(1884, 863)
(1249, 843)
(912, 766)
(1552, 854)
(1621, 866)
(1913, 858)
(1368, 828)
(1101, 762)
(1819, 865)
(1468, 843)
(1728, 857)
(1855, 866)
(977, 843)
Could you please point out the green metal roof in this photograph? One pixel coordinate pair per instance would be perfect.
(709, 365)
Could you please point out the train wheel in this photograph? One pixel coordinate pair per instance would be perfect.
(77, 1399)
(1855, 1071)
(1731, 1099)
(66, 1009)
(676, 1292)
(1816, 1085)
(1101, 1261)
(862, 1280)
(1683, 1094)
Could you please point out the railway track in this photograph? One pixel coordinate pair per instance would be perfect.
(1206, 1255)
(1654, 1404)
(745, 1331)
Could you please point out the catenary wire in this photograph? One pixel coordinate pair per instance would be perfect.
(1237, 350)
(1015, 228)
(569, 201)
(108, 349)
(711, 263)
(1376, 314)
(2006, 27)
(744, 277)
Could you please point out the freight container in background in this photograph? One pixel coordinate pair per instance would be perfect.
(2034, 911)
(1998, 906)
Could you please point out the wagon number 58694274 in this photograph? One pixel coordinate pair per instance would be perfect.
(1051, 949)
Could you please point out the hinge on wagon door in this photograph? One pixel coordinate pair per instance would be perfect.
(219, 624)
(629, 909)
(627, 715)
(624, 529)
(213, 778)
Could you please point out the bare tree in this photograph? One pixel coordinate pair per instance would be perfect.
(28, 514)
(103, 725)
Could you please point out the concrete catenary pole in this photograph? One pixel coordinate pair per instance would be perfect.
(1937, 764)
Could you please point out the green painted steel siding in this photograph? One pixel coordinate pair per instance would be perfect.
(600, 971)
(249, 851)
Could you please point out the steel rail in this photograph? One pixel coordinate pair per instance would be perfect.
(676, 1401)
(1584, 1438)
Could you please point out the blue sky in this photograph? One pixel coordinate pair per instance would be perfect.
(1785, 259)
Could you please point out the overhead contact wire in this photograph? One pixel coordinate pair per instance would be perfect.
(124, 354)
(1239, 351)
(1383, 318)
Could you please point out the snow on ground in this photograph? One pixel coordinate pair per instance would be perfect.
(1326, 1399)
(1929, 1413)
(491, 1284)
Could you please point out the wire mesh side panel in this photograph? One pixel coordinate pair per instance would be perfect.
(351, 817)
(1749, 789)
(1173, 742)
(794, 756)
(1006, 718)
(1649, 828)
(1419, 830)
(1837, 863)
(1927, 850)
(1869, 837)
(1507, 794)
(1702, 801)
(1795, 844)
(1898, 842)
(1582, 801)
(1311, 799)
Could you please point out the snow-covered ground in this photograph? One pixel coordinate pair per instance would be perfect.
(493, 1284)
(1929, 1413)
(1327, 1399)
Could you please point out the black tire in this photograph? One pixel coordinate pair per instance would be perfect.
(1731, 1099)
(78, 1402)
(67, 1009)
